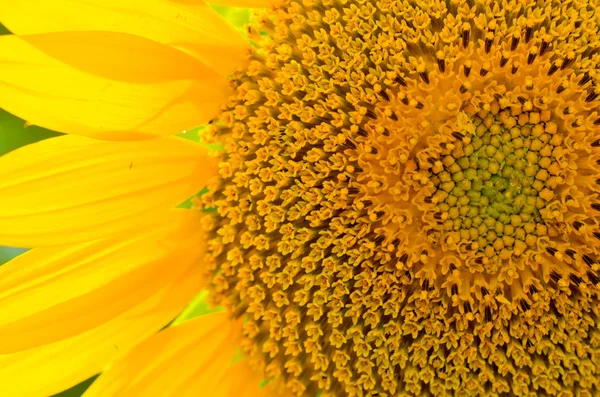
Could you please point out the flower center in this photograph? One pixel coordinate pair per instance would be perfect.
(408, 198)
(494, 181)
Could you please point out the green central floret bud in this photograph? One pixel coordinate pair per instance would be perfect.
(496, 179)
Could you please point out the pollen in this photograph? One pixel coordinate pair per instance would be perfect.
(408, 201)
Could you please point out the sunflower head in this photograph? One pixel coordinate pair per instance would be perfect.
(407, 203)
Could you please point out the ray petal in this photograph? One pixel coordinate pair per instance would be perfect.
(240, 380)
(49, 369)
(53, 293)
(191, 26)
(198, 351)
(245, 3)
(106, 85)
(72, 189)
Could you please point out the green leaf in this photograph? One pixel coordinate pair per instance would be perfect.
(195, 134)
(77, 390)
(14, 134)
(237, 17)
(7, 253)
(196, 308)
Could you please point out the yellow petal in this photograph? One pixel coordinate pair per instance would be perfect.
(72, 189)
(53, 293)
(174, 362)
(245, 3)
(49, 369)
(240, 380)
(193, 27)
(106, 85)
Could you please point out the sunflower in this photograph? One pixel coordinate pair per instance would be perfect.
(405, 201)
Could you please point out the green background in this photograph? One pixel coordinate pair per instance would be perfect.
(14, 134)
